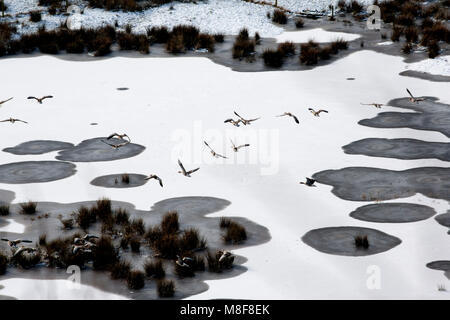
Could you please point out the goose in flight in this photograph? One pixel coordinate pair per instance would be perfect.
(290, 115)
(309, 182)
(215, 154)
(376, 105)
(116, 146)
(14, 243)
(40, 100)
(413, 99)
(236, 148)
(317, 113)
(245, 121)
(119, 136)
(183, 170)
(183, 261)
(4, 101)
(154, 176)
(233, 122)
(12, 120)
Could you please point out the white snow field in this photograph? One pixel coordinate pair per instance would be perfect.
(212, 16)
(26, 289)
(437, 66)
(317, 34)
(175, 103)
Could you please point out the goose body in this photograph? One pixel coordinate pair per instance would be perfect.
(236, 148)
(317, 113)
(12, 120)
(183, 170)
(309, 182)
(233, 122)
(14, 243)
(154, 176)
(412, 98)
(214, 154)
(245, 121)
(289, 114)
(116, 146)
(40, 100)
(119, 136)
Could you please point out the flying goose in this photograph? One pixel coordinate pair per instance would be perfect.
(290, 115)
(12, 120)
(309, 182)
(245, 121)
(413, 99)
(154, 176)
(120, 136)
(40, 99)
(183, 170)
(116, 146)
(4, 101)
(14, 243)
(236, 148)
(376, 105)
(317, 113)
(183, 261)
(215, 154)
(233, 122)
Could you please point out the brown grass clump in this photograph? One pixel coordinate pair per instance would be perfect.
(154, 269)
(166, 288)
(28, 207)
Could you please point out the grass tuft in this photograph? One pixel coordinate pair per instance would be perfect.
(154, 269)
(4, 210)
(28, 207)
(166, 288)
(136, 280)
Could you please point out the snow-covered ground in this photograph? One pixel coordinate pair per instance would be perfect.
(313, 5)
(26, 289)
(212, 16)
(437, 66)
(175, 103)
(318, 35)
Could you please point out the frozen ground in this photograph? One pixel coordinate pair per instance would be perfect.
(175, 103)
(211, 16)
(313, 5)
(437, 66)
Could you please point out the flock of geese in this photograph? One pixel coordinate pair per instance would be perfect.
(125, 139)
(13, 120)
(86, 243)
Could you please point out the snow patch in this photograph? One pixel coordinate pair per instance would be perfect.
(318, 35)
(436, 66)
